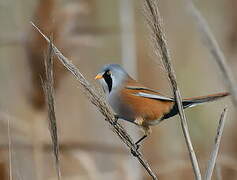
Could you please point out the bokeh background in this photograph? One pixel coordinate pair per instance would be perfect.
(92, 33)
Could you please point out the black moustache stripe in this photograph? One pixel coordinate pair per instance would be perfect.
(108, 80)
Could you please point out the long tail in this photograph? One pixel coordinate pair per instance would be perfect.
(190, 102)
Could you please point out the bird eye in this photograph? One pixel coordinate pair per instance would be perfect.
(108, 73)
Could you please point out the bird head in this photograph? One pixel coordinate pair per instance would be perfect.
(112, 77)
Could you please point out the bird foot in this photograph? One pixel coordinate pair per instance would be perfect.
(135, 152)
(116, 119)
(137, 146)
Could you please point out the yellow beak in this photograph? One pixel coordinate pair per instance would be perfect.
(99, 76)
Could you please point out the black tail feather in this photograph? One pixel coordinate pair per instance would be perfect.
(203, 99)
(193, 102)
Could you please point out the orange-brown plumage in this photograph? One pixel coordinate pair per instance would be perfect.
(148, 109)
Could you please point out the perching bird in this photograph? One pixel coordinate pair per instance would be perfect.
(138, 104)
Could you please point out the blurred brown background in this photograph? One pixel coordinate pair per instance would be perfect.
(92, 33)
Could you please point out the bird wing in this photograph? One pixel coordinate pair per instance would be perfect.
(145, 102)
(148, 93)
(153, 96)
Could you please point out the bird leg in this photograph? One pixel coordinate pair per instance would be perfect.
(147, 130)
(116, 117)
(140, 140)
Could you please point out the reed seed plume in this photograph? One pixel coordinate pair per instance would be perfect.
(49, 95)
(214, 153)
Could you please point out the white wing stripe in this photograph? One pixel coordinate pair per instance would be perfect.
(153, 96)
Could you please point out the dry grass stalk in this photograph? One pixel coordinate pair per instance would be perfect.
(161, 49)
(214, 153)
(49, 95)
(215, 50)
(9, 148)
(101, 104)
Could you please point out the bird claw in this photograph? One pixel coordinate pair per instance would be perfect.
(114, 123)
(135, 152)
(137, 146)
(116, 119)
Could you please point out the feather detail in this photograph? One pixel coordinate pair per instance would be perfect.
(144, 102)
(153, 96)
(152, 106)
(190, 102)
(141, 88)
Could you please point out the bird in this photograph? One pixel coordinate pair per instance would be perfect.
(138, 104)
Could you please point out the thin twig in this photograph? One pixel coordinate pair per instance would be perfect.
(9, 148)
(215, 50)
(161, 49)
(49, 95)
(214, 153)
(101, 104)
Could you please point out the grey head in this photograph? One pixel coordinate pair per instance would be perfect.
(111, 77)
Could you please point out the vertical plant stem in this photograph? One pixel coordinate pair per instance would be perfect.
(161, 50)
(214, 153)
(9, 148)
